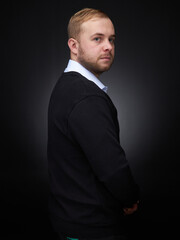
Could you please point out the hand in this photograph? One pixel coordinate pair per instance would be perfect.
(129, 211)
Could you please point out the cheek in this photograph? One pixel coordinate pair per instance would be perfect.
(91, 52)
(113, 52)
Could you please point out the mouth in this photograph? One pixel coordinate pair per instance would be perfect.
(107, 58)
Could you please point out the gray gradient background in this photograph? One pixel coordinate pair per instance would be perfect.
(143, 84)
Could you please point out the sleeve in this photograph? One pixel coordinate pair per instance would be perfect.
(92, 125)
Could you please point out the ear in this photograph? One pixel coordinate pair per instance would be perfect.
(73, 45)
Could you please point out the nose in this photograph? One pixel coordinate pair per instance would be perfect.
(107, 45)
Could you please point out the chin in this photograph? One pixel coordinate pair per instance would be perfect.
(98, 70)
(105, 68)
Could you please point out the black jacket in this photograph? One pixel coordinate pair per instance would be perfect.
(90, 179)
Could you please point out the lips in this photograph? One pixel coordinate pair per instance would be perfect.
(106, 57)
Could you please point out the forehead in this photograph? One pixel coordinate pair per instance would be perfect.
(99, 25)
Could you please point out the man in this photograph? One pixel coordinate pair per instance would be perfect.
(92, 188)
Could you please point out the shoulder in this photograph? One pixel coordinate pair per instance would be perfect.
(72, 89)
(74, 85)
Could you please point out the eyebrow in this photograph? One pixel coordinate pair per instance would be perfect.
(101, 34)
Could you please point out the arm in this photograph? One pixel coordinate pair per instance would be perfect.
(94, 128)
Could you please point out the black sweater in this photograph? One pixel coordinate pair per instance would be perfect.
(90, 179)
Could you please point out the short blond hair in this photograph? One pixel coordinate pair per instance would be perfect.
(75, 22)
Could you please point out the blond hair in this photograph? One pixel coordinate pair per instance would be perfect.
(75, 22)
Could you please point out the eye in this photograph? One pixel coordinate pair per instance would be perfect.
(97, 39)
(112, 40)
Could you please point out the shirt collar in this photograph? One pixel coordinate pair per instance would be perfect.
(77, 67)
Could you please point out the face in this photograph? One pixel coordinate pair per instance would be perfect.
(95, 45)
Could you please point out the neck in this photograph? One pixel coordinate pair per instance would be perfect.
(85, 66)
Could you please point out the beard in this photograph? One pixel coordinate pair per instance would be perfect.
(96, 65)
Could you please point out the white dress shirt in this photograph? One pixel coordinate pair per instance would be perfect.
(77, 67)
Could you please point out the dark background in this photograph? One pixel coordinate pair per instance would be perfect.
(143, 83)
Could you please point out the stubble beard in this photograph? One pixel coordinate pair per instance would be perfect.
(93, 66)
